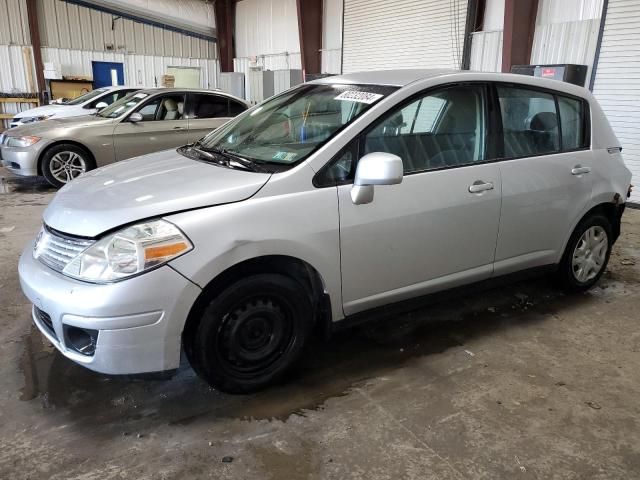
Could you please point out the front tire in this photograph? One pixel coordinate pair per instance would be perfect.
(251, 334)
(62, 163)
(587, 254)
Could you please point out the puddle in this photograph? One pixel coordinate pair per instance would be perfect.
(328, 369)
(11, 184)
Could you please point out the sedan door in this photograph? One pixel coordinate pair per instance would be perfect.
(162, 126)
(206, 112)
(438, 228)
(546, 175)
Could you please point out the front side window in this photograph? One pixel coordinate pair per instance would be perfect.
(529, 122)
(287, 128)
(445, 128)
(208, 106)
(163, 107)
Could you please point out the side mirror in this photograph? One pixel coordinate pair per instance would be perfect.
(377, 168)
(135, 117)
(101, 105)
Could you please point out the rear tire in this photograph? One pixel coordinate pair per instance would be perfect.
(587, 254)
(251, 334)
(65, 162)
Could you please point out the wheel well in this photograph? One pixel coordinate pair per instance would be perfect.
(61, 142)
(612, 212)
(292, 267)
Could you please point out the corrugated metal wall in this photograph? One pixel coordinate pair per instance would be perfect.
(617, 83)
(486, 51)
(14, 25)
(486, 46)
(81, 28)
(379, 34)
(566, 32)
(332, 36)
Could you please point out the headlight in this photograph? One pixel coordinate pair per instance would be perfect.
(129, 252)
(21, 141)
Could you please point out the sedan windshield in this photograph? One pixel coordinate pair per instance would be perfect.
(123, 105)
(86, 97)
(286, 129)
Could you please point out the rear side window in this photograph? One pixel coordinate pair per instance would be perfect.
(208, 106)
(530, 122)
(573, 123)
(236, 108)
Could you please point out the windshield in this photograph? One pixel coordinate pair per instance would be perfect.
(123, 105)
(286, 129)
(87, 96)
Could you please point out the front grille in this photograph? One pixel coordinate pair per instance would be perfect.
(45, 321)
(56, 250)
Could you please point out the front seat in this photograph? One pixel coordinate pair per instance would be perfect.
(171, 107)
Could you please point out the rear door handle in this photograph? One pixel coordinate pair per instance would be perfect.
(178, 128)
(480, 186)
(579, 170)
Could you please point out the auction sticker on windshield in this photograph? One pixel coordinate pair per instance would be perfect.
(361, 97)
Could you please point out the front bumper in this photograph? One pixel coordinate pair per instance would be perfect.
(20, 161)
(139, 320)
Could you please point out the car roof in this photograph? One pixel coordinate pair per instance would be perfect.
(217, 91)
(402, 78)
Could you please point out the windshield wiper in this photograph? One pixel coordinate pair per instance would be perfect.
(224, 158)
(231, 158)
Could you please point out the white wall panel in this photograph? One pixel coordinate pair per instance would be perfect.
(493, 16)
(486, 51)
(566, 32)
(14, 23)
(617, 82)
(266, 27)
(331, 53)
(379, 34)
(139, 70)
(15, 78)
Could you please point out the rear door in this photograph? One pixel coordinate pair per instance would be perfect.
(163, 126)
(438, 228)
(206, 112)
(546, 174)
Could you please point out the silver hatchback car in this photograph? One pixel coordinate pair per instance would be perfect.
(317, 206)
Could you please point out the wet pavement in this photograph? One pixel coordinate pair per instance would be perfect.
(516, 382)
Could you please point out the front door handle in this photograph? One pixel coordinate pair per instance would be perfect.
(178, 128)
(480, 186)
(579, 170)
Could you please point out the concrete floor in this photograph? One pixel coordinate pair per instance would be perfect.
(520, 382)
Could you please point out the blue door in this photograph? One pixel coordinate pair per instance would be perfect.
(107, 74)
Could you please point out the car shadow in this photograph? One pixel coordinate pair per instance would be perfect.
(119, 404)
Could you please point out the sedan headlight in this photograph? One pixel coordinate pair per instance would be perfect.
(128, 252)
(21, 141)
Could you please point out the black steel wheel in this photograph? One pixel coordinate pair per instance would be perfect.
(252, 333)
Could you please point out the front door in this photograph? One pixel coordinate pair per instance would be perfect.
(546, 175)
(107, 74)
(438, 228)
(162, 126)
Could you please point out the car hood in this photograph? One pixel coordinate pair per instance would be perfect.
(144, 187)
(55, 126)
(45, 110)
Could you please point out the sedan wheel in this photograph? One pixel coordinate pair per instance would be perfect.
(65, 166)
(65, 162)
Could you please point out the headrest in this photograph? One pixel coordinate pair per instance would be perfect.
(170, 104)
(544, 121)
